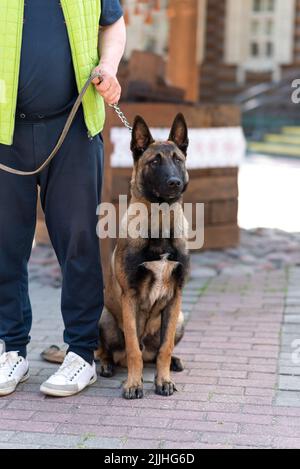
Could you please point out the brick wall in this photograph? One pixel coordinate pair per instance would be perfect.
(219, 80)
(297, 34)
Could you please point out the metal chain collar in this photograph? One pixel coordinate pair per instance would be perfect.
(115, 107)
(121, 116)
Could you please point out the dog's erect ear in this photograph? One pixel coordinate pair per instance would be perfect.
(141, 137)
(179, 133)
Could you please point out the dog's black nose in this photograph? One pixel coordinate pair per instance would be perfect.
(174, 183)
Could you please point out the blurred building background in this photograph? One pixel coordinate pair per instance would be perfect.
(243, 42)
(247, 51)
(243, 52)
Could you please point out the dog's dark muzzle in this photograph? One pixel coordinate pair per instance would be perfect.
(173, 187)
(175, 184)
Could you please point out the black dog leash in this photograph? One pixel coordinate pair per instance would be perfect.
(65, 131)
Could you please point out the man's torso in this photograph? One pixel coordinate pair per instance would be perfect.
(47, 81)
(47, 84)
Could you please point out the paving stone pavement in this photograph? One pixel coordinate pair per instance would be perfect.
(241, 384)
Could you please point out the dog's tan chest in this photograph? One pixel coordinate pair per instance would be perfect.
(161, 288)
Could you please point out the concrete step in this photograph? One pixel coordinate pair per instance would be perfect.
(291, 130)
(270, 148)
(283, 139)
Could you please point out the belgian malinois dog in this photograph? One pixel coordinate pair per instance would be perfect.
(143, 319)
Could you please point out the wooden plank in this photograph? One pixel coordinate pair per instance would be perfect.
(120, 186)
(214, 188)
(162, 115)
(183, 67)
(198, 178)
(223, 211)
(41, 231)
(213, 172)
(193, 173)
(221, 236)
(146, 67)
(41, 235)
(216, 236)
(106, 244)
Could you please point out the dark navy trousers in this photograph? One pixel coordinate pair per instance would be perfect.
(70, 190)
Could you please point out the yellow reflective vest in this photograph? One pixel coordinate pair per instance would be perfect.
(82, 22)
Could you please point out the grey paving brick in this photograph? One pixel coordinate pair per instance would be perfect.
(290, 370)
(101, 443)
(289, 383)
(288, 398)
(5, 436)
(292, 310)
(292, 319)
(18, 446)
(41, 439)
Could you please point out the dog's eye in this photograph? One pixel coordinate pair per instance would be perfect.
(155, 162)
(176, 158)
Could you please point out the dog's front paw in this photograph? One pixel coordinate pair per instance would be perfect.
(164, 387)
(176, 365)
(107, 371)
(133, 391)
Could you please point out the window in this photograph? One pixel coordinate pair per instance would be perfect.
(262, 37)
(271, 5)
(269, 27)
(263, 5)
(255, 49)
(255, 27)
(270, 49)
(257, 5)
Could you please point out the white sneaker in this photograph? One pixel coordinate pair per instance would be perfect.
(73, 376)
(13, 370)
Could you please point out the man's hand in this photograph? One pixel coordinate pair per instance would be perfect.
(109, 88)
(112, 46)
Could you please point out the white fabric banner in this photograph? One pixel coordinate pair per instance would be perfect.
(209, 148)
